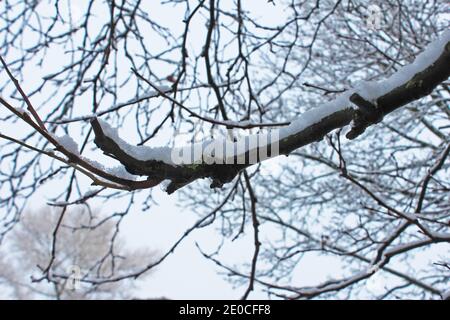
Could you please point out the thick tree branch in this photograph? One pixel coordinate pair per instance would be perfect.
(409, 84)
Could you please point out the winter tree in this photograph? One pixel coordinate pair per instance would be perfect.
(308, 130)
(83, 245)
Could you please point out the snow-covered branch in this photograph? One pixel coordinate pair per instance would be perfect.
(221, 159)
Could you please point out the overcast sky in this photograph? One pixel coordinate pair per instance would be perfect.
(186, 274)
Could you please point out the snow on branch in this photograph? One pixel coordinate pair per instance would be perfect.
(221, 159)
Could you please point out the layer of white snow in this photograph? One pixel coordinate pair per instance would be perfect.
(371, 90)
(227, 149)
(68, 143)
(315, 115)
(118, 171)
(138, 152)
(90, 193)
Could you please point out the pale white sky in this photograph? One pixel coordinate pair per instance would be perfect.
(186, 274)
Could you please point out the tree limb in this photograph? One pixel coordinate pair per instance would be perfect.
(332, 115)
